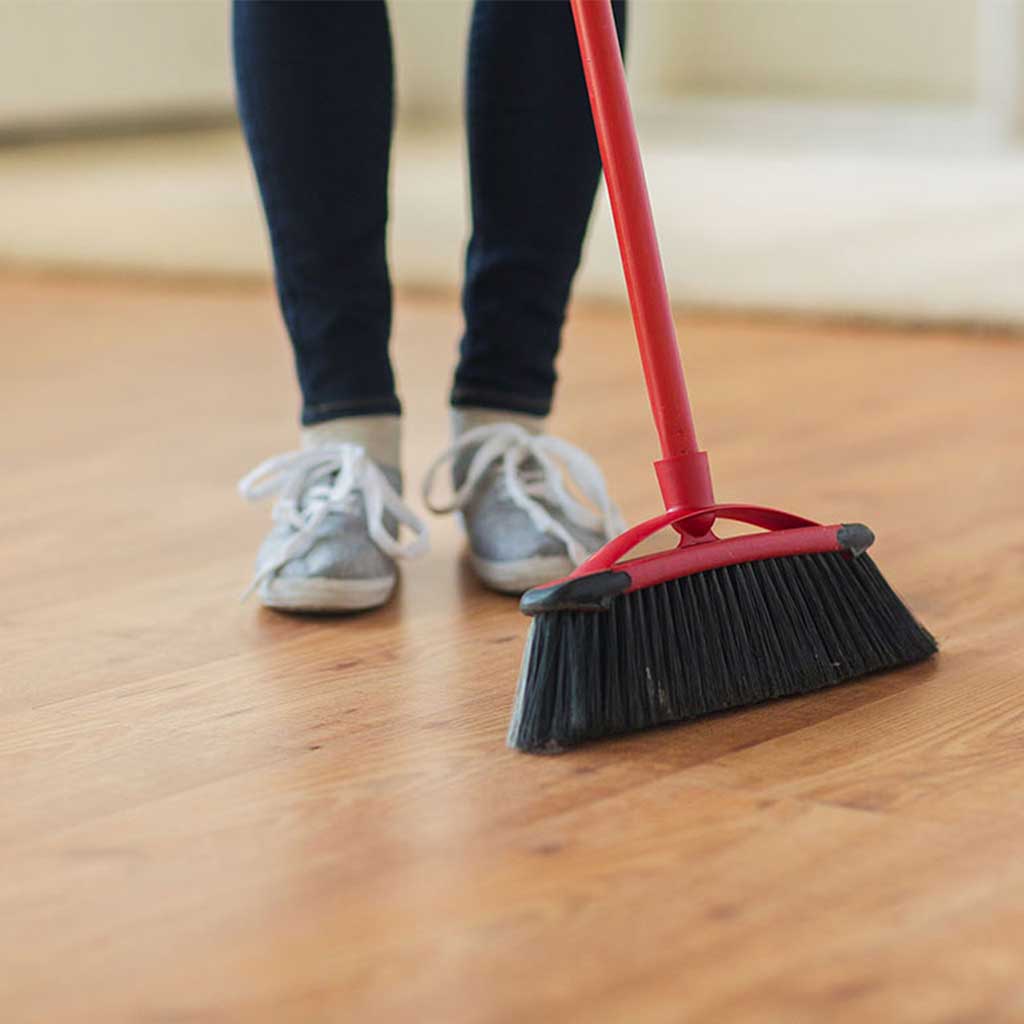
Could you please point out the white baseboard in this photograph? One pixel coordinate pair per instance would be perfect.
(913, 237)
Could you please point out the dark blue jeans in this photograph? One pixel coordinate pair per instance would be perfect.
(315, 96)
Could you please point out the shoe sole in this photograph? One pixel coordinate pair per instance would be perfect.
(519, 576)
(326, 595)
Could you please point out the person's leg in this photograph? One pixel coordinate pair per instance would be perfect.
(315, 93)
(534, 170)
(315, 100)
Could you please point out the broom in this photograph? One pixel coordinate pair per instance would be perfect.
(622, 645)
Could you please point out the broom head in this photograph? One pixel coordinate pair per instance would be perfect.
(713, 624)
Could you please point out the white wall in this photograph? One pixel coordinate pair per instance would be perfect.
(860, 50)
(65, 60)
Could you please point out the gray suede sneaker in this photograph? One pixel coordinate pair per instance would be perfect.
(334, 545)
(523, 525)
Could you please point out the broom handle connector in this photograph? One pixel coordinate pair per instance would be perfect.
(682, 472)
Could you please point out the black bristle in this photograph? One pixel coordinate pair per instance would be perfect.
(719, 639)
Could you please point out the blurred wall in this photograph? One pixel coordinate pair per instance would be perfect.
(903, 51)
(69, 60)
(63, 62)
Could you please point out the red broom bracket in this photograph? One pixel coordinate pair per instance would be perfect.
(785, 529)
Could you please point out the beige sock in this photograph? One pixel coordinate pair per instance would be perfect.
(381, 436)
(466, 418)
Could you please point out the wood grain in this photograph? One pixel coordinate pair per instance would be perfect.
(210, 812)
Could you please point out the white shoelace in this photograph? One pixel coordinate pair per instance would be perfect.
(329, 478)
(512, 446)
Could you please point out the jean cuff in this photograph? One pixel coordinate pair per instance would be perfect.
(322, 411)
(503, 401)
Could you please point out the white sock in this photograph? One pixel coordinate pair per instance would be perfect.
(467, 417)
(381, 436)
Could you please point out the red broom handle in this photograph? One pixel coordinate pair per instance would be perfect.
(683, 472)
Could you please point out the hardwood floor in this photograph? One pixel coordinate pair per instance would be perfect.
(210, 812)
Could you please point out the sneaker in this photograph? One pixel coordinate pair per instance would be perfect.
(523, 525)
(334, 543)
